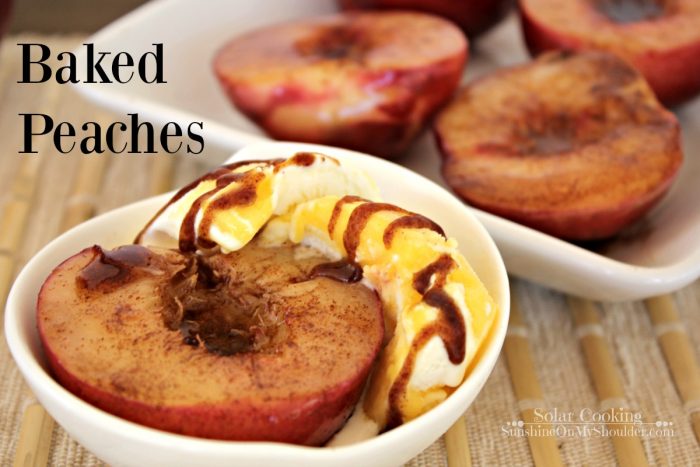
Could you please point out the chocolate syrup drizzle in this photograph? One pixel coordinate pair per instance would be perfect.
(335, 214)
(189, 240)
(192, 238)
(414, 221)
(449, 326)
(213, 175)
(108, 270)
(429, 282)
(342, 271)
(358, 221)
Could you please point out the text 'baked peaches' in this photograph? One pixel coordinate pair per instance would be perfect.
(661, 38)
(364, 81)
(575, 145)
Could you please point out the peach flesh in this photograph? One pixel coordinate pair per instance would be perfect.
(660, 39)
(113, 349)
(582, 150)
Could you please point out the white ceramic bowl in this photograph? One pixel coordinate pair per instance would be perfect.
(120, 442)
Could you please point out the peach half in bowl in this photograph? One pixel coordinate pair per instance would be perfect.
(122, 442)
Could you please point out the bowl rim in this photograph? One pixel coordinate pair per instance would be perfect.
(46, 388)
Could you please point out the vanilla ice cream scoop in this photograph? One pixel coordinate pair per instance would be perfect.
(437, 311)
(228, 206)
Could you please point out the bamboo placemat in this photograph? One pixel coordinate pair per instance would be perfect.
(561, 354)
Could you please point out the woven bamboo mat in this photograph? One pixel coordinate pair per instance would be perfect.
(561, 353)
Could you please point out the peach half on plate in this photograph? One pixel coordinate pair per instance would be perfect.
(366, 81)
(118, 441)
(575, 145)
(661, 38)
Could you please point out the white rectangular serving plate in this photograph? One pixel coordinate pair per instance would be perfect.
(659, 254)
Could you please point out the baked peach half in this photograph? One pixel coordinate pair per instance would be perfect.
(473, 16)
(661, 38)
(573, 144)
(251, 345)
(366, 81)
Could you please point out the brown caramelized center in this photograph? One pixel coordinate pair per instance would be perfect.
(551, 134)
(556, 131)
(630, 11)
(225, 320)
(338, 42)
